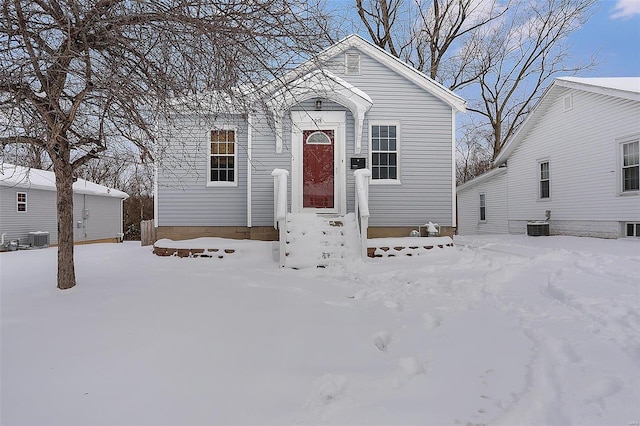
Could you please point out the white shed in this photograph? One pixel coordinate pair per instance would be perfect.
(28, 208)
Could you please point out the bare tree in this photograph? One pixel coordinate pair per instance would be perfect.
(519, 56)
(78, 75)
(502, 53)
(473, 158)
(430, 34)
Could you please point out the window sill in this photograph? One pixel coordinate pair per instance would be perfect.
(628, 193)
(385, 182)
(222, 184)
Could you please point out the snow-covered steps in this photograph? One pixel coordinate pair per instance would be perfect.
(409, 246)
(320, 241)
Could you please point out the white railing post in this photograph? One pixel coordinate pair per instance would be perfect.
(280, 209)
(362, 206)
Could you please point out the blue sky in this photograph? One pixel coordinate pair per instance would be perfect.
(613, 32)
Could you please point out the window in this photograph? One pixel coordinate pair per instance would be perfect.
(222, 164)
(633, 230)
(21, 202)
(483, 208)
(384, 151)
(544, 180)
(630, 166)
(352, 63)
(567, 103)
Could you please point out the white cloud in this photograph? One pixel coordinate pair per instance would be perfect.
(626, 9)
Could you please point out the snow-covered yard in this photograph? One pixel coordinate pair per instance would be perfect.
(498, 330)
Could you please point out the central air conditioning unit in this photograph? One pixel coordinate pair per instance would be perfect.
(538, 229)
(39, 239)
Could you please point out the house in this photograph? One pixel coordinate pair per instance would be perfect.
(28, 208)
(354, 106)
(573, 164)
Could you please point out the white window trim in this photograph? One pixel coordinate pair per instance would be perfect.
(567, 102)
(482, 197)
(25, 202)
(620, 142)
(624, 229)
(398, 152)
(346, 64)
(539, 180)
(218, 184)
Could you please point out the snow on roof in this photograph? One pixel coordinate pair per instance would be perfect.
(481, 178)
(24, 177)
(627, 84)
(625, 87)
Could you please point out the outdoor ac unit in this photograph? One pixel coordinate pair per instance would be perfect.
(38, 239)
(538, 229)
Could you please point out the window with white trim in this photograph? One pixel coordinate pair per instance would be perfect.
(21, 202)
(632, 229)
(483, 208)
(222, 158)
(352, 63)
(384, 152)
(545, 190)
(630, 166)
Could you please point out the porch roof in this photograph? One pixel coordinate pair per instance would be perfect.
(324, 84)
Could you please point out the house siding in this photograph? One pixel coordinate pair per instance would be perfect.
(104, 221)
(425, 192)
(184, 199)
(581, 146)
(496, 200)
(40, 214)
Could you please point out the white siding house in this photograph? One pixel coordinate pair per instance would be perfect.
(28, 204)
(359, 105)
(573, 163)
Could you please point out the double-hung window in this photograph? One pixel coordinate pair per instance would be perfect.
(630, 166)
(222, 158)
(21, 202)
(483, 208)
(385, 141)
(545, 190)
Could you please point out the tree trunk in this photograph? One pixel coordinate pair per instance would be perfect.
(64, 200)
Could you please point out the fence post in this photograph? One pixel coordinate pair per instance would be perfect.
(147, 233)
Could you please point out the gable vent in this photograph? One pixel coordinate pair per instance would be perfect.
(352, 63)
(567, 102)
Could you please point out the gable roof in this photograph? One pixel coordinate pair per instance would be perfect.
(481, 178)
(620, 87)
(29, 178)
(381, 55)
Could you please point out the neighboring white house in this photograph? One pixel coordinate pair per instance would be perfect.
(28, 205)
(353, 106)
(573, 163)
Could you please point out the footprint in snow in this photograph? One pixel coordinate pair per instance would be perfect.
(392, 304)
(328, 388)
(431, 320)
(408, 367)
(381, 340)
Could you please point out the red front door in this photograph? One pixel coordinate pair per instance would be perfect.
(317, 166)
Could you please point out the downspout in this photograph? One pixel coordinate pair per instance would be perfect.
(84, 216)
(249, 165)
(454, 206)
(121, 219)
(155, 192)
